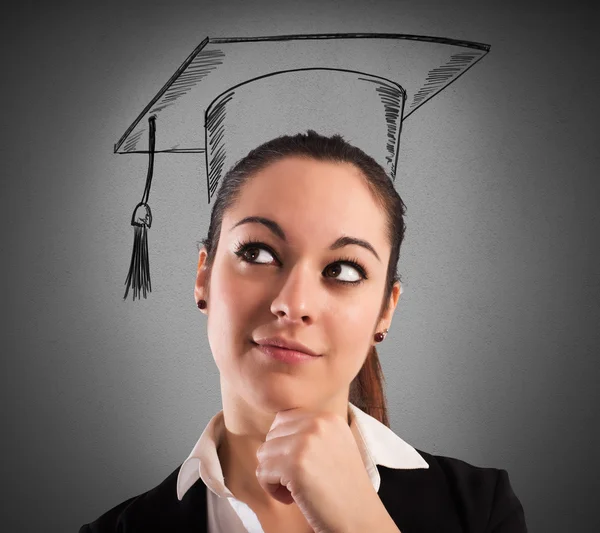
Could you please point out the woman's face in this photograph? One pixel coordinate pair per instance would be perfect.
(293, 287)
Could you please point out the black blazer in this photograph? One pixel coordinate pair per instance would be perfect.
(451, 496)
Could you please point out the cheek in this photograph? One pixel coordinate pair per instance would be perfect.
(353, 321)
(349, 332)
(232, 296)
(231, 312)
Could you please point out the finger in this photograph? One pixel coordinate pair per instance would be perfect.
(277, 447)
(296, 413)
(270, 479)
(293, 426)
(283, 495)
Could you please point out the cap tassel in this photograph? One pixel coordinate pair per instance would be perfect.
(139, 268)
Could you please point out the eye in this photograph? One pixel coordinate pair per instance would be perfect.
(353, 272)
(250, 251)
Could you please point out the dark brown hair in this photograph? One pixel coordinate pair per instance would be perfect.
(366, 390)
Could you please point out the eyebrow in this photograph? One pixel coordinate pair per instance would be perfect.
(276, 229)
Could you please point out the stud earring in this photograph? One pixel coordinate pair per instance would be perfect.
(380, 335)
(201, 304)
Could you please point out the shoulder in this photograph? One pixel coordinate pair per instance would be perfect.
(108, 521)
(147, 510)
(481, 494)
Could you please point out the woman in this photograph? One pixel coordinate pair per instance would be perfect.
(302, 249)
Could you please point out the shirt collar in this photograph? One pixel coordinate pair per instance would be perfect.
(377, 443)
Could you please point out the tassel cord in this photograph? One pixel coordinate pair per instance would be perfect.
(138, 276)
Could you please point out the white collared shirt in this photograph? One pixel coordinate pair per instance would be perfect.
(377, 443)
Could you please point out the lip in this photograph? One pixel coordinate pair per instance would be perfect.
(286, 344)
(284, 355)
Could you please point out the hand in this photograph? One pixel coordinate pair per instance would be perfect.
(312, 459)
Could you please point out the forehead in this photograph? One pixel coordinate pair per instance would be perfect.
(315, 199)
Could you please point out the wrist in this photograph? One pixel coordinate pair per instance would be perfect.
(375, 519)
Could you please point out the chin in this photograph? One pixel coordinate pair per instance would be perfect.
(273, 401)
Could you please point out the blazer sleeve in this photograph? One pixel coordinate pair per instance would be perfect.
(507, 514)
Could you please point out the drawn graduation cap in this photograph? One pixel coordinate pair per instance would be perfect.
(232, 94)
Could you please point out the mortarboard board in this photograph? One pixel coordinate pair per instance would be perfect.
(232, 94)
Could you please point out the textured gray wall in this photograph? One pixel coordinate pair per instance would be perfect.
(492, 354)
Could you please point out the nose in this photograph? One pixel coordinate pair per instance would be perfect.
(296, 300)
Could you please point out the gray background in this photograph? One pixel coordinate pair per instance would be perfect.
(492, 354)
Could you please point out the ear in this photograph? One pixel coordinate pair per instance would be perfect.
(200, 292)
(386, 319)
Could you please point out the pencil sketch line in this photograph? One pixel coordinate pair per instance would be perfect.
(141, 219)
(431, 94)
(201, 62)
(215, 129)
(173, 96)
(392, 98)
(151, 148)
(201, 66)
(216, 167)
(440, 75)
(218, 137)
(275, 73)
(206, 159)
(215, 114)
(172, 150)
(139, 264)
(132, 142)
(163, 89)
(395, 165)
(317, 36)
